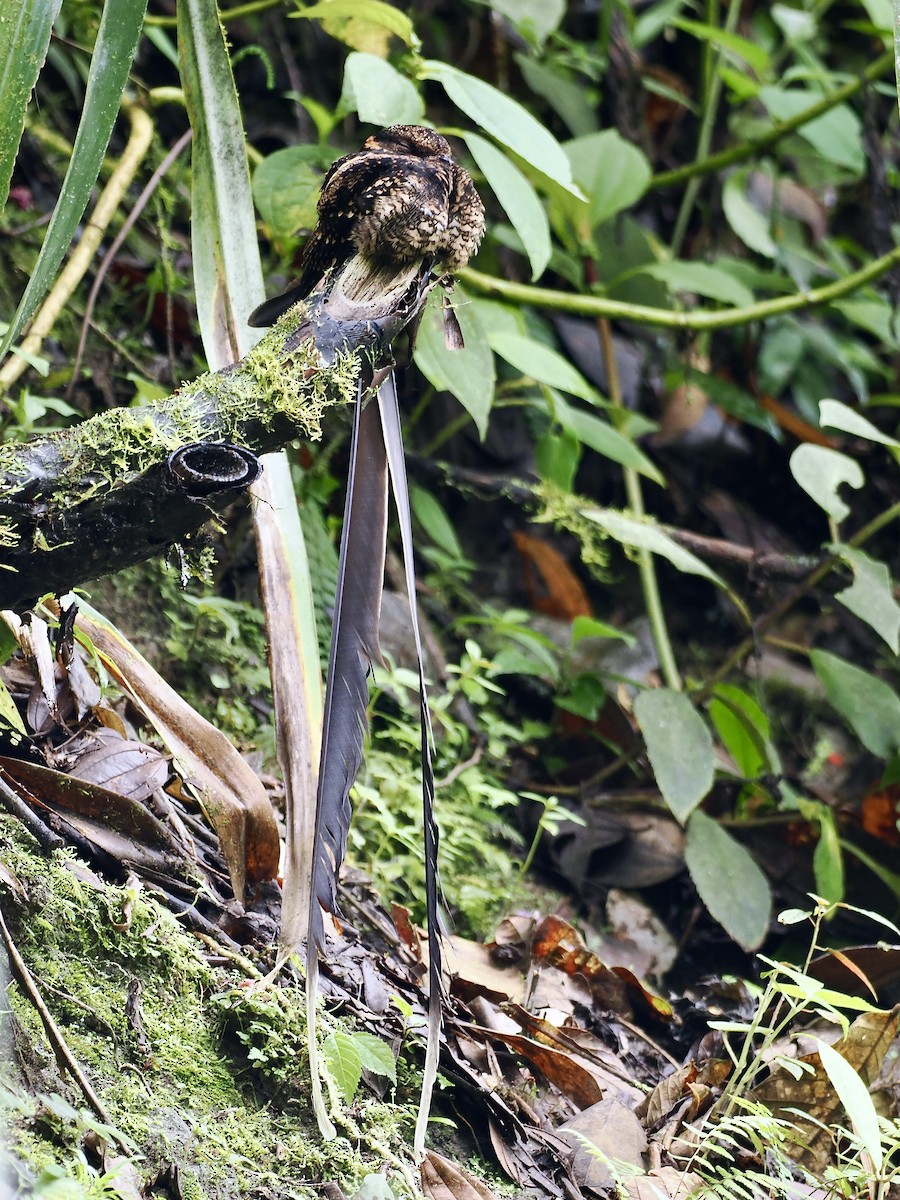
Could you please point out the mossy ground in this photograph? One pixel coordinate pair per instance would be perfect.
(199, 1099)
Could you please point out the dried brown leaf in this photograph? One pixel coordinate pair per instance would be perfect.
(608, 1144)
(444, 1180)
(229, 791)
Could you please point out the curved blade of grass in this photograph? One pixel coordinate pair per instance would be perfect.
(26, 26)
(228, 284)
(117, 38)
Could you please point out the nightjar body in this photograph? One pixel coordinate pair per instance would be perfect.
(398, 199)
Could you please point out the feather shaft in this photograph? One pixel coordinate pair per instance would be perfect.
(393, 443)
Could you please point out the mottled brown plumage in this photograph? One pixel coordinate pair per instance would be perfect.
(398, 199)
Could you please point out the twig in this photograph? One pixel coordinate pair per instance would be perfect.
(110, 198)
(646, 568)
(781, 129)
(139, 205)
(64, 1057)
(642, 314)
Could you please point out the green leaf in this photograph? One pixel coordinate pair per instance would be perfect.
(381, 95)
(612, 173)
(570, 99)
(518, 200)
(750, 225)
(702, 278)
(753, 54)
(543, 364)
(26, 27)
(589, 627)
(868, 705)
(504, 119)
(743, 728)
(828, 859)
(556, 456)
(728, 881)
(431, 516)
(820, 471)
(644, 535)
(344, 1061)
(366, 25)
(595, 433)
(224, 249)
(679, 746)
(836, 135)
(871, 595)
(858, 1104)
(835, 415)
(11, 723)
(467, 374)
(286, 191)
(534, 19)
(117, 38)
(376, 1055)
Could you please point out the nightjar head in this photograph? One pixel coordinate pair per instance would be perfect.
(413, 140)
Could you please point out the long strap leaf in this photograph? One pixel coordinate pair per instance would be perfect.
(393, 441)
(354, 645)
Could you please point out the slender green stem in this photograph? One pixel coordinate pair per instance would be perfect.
(225, 15)
(750, 149)
(712, 86)
(646, 566)
(725, 318)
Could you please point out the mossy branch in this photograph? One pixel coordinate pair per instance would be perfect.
(107, 493)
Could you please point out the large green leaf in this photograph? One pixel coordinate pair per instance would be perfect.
(728, 881)
(702, 278)
(644, 535)
(750, 225)
(26, 26)
(836, 135)
(518, 199)
(117, 38)
(344, 1062)
(868, 705)
(833, 414)
(504, 119)
(543, 364)
(467, 374)
(612, 173)
(227, 271)
(598, 435)
(286, 190)
(679, 746)
(381, 95)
